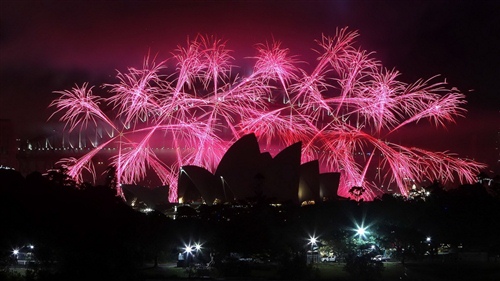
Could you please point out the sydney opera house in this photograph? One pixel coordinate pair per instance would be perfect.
(246, 174)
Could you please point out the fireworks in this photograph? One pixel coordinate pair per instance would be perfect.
(347, 105)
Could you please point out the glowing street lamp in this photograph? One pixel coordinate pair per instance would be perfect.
(197, 247)
(15, 253)
(313, 240)
(361, 231)
(428, 239)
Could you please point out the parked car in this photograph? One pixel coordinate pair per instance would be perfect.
(328, 259)
(380, 258)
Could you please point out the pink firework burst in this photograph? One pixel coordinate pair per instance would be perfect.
(344, 112)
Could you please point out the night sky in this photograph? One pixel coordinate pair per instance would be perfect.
(47, 46)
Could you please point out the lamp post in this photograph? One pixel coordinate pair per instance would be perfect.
(313, 258)
(197, 248)
(188, 249)
(15, 252)
(430, 249)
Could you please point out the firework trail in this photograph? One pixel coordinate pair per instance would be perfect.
(347, 105)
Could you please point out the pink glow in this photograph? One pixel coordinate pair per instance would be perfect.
(348, 105)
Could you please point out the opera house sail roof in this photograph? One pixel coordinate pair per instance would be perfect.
(246, 174)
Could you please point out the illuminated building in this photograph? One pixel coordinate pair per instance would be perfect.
(247, 174)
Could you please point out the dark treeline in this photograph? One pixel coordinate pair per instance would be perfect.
(78, 233)
(87, 232)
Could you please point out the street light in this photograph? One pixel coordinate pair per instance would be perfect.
(15, 253)
(312, 240)
(361, 231)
